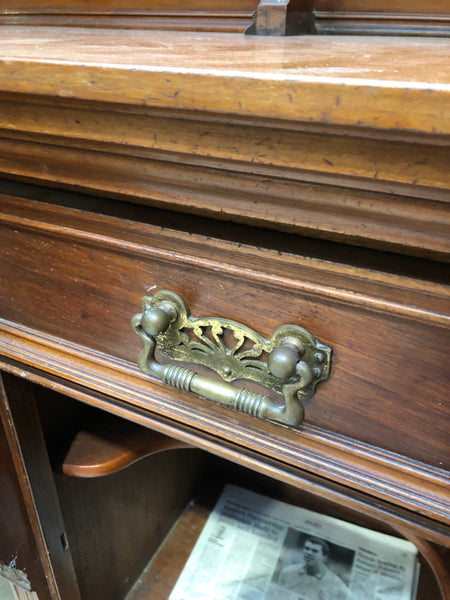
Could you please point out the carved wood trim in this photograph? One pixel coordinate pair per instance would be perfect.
(361, 467)
(193, 15)
(382, 17)
(269, 17)
(358, 287)
(311, 139)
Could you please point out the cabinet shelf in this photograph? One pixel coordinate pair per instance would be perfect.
(106, 444)
(159, 577)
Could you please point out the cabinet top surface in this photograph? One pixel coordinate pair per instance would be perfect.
(392, 60)
(347, 80)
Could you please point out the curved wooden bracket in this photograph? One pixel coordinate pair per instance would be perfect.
(434, 559)
(108, 444)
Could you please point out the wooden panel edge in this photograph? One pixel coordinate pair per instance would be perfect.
(373, 471)
(407, 523)
(214, 21)
(243, 171)
(394, 103)
(363, 288)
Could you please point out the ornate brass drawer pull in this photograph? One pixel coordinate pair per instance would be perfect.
(291, 363)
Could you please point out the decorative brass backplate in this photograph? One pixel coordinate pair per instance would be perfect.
(291, 363)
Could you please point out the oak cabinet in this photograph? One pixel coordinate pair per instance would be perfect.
(265, 184)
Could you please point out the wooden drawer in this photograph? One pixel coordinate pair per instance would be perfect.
(73, 277)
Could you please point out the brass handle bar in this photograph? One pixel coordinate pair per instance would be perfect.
(291, 363)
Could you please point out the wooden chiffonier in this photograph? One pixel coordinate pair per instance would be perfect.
(290, 194)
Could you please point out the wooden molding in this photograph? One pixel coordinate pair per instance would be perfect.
(338, 140)
(224, 23)
(295, 180)
(382, 17)
(415, 224)
(372, 23)
(359, 286)
(370, 470)
(192, 15)
(391, 84)
(266, 17)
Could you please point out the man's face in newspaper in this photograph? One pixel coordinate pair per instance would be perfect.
(313, 556)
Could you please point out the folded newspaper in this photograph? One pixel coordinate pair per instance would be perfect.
(256, 548)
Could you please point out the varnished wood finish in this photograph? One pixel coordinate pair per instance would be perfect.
(432, 7)
(106, 445)
(390, 83)
(19, 522)
(266, 17)
(38, 492)
(372, 217)
(438, 560)
(158, 579)
(307, 137)
(381, 17)
(333, 301)
(321, 495)
(269, 181)
(355, 465)
(97, 532)
(122, 519)
(194, 15)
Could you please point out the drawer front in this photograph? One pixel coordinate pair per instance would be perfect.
(80, 277)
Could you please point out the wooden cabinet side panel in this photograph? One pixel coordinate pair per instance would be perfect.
(21, 543)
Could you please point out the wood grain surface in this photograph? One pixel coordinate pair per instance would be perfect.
(21, 525)
(105, 444)
(195, 15)
(341, 139)
(391, 83)
(91, 271)
(269, 181)
(381, 17)
(31, 523)
(269, 18)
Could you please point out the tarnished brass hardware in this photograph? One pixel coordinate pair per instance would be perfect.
(291, 363)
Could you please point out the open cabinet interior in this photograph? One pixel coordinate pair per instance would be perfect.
(122, 524)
